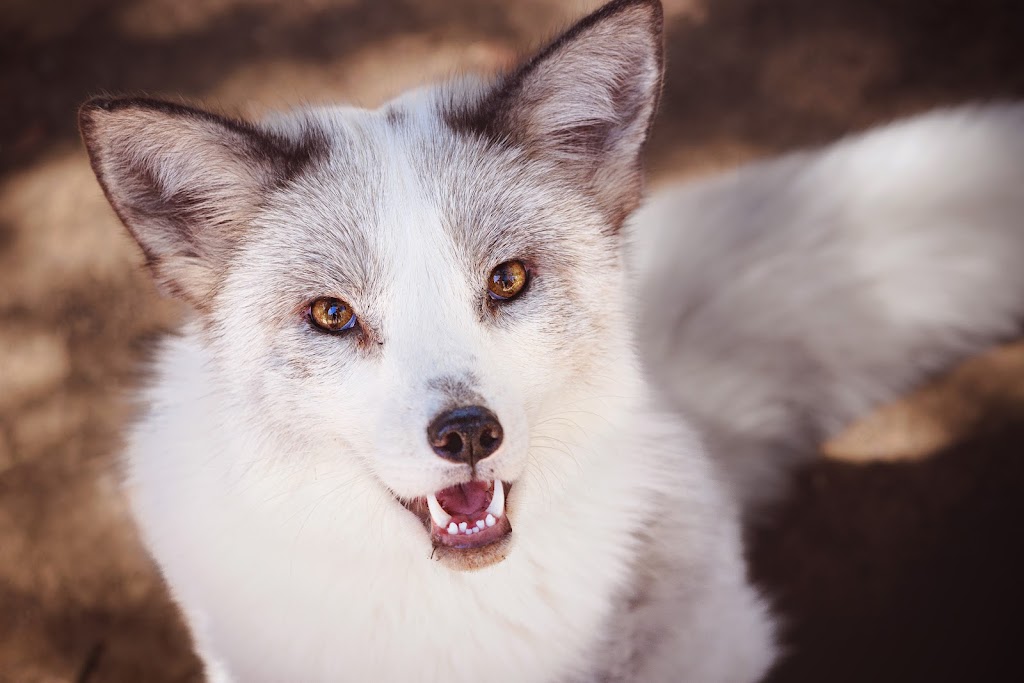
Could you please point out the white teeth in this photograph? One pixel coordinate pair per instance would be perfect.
(466, 529)
(495, 510)
(437, 513)
(497, 506)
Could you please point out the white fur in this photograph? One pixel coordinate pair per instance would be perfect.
(790, 296)
(628, 562)
(318, 575)
(294, 562)
(771, 304)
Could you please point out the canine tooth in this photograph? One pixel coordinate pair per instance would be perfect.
(453, 528)
(497, 506)
(437, 513)
(490, 520)
(462, 526)
(480, 524)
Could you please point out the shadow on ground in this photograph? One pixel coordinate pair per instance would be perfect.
(905, 571)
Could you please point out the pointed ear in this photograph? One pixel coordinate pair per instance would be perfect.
(185, 182)
(587, 100)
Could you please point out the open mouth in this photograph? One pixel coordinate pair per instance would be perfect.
(467, 522)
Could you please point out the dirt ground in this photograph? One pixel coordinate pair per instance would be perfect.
(898, 558)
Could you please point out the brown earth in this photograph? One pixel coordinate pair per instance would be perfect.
(897, 559)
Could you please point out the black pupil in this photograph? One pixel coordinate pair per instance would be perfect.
(334, 313)
(505, 279)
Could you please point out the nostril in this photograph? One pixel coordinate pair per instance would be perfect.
(452, 445)
(488, 439)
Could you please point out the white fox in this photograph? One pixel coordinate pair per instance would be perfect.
(416, 351)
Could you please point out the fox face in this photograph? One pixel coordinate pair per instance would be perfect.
(425, 290)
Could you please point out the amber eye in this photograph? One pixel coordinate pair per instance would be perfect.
(331, 315)
(507, 280)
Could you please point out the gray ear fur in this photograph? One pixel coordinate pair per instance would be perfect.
(587, 101)
(184, 182)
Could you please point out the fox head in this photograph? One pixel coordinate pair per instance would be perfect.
(425, 289)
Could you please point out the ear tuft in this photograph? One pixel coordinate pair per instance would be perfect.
(587, 101)
(186, 182)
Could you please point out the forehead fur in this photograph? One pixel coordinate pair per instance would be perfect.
(398, 189)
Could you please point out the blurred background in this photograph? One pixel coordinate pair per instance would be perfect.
(899, 557)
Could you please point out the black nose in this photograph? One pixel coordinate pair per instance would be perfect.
(468, 434)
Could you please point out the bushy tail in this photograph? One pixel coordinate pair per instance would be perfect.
(784, 300)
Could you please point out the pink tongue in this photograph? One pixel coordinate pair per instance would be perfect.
(465, 499)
